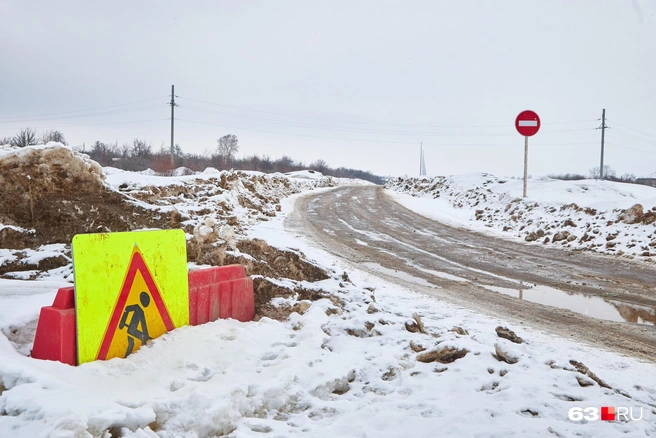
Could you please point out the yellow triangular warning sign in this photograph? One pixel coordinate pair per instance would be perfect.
(139, 315)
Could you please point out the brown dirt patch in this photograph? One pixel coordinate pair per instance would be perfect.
(10, 238)
(442, 355)
(586, 372)
(265, 291)
(506, 333)
(276, 263)
(266, 260)
(46, 264)
(59, 193)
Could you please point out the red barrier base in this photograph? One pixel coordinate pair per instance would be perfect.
(218, 292)
(55, 332)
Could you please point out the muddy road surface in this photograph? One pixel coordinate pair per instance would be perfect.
(602, 300)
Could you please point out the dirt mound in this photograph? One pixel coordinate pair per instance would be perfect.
(258, 257)
(265, 291)
(272, 262)
(266, 262)
(54, 193)
(261, 259)
(636, 215)
(45, 264)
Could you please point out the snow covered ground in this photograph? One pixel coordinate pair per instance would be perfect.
(601, 216)
(328, 372)
(371, 359)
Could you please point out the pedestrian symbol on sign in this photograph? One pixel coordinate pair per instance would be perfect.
(137, 327)
(130, 288)
(139, 315)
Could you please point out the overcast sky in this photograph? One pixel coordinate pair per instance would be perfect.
(356, 83)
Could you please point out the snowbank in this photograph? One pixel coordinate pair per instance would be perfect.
(602, 216)
(384, 362)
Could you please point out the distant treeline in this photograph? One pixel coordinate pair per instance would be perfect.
(140, 156)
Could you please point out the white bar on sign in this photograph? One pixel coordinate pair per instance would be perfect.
(528, 123)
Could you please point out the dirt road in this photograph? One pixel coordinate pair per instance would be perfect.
(364, 226)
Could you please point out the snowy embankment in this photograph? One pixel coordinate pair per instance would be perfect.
(52, 193)
(601, 216)
(356, 364)
(342, 353)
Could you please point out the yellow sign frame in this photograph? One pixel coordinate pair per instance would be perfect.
(112, 272)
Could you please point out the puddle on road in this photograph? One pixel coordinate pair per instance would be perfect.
(594, 307)
(397, 274)
(636, 314)
(439, 274)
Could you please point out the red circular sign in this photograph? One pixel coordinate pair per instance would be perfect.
(527, 123)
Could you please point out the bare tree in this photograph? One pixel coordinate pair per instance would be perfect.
(26, 137)
(53, 135)
(266, 164)
(319, 165)
(141, 149)
(284, 164)
(628, 177)
(100, 148)
(609, 172)
(5, 140)
(124, 150)
(228, 146)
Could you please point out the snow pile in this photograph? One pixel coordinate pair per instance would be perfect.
(305, 174)
(601, 216)
(350, 354)
(181, 171)
(214, 208)
(238, 198)
(371, 359)
(52, 193)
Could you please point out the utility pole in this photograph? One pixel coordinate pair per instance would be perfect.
(173, 105)
(603, 129)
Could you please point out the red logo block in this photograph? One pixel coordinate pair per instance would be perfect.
(607, 413)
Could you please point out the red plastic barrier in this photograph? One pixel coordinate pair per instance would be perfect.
(219, 292)
(213, 294)
(225, 300)
(65, 298)
(55, 333)
(213, 308)
(193, 308)
(203, 310)
(243, 300)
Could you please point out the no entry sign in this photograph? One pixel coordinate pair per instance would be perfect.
(527, 123)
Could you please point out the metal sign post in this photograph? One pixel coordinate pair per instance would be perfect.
(527, 124)
(525, 163)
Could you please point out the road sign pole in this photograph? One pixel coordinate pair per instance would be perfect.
(525, 163)
(527, 124)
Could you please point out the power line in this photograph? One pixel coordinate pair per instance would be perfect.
(94, 124)
(366, 140)
(644, 133)
(79, 116)
(633, 149)
(634, 137)
(368, 131)
(365, 122)
(330, 128)
(76, 111)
